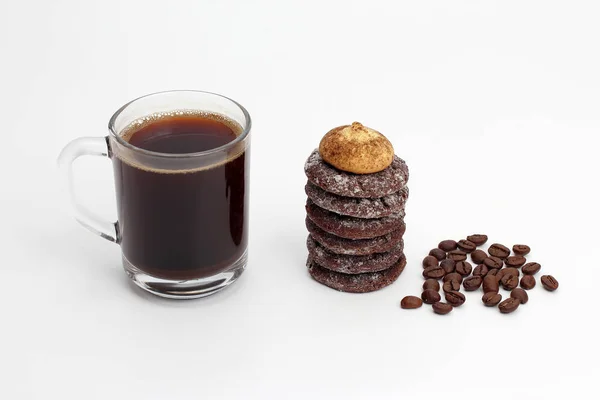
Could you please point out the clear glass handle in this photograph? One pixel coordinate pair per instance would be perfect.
(86, 146)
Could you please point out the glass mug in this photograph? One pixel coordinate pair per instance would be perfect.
(182, 216)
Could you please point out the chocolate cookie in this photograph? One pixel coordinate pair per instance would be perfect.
(359, 283)
(351, 227)
(378, 184)
(353, 264)
(355, 207)
(358, 247)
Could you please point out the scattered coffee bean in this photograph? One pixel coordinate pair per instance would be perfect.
(480, 270)
(493, 262)
(549, 282)
(466, 246)
(438, 253)
(457, 255)
(511, 271)
(451, 286)
(521, 249)
(492, 272)
(430, 261)
(515, 261)
(507, 271)
(520, 295)
(477, 238)
(453, 276)
(456, 299)
(528, 282)
(531, 268)
(434, 272)
(464, 268)
(478, 256)
(449, 262)
(411, 302)
(500, 274)
(430, 296)
(490, 284)
(491, 299)
(448, 265)
(472, 283)
(431, 284)
(509, 305)
(447, 245)
(498, 250)
(442, 308)
(509, 282)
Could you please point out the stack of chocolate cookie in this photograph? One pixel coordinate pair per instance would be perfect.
(356, 196)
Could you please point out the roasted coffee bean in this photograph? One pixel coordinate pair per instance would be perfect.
(493, 262)
(477, 238)
(466, 246)
(472, 283)
(509, 305)
(500, 274)
(549, 282)
(511, 271)
(531, 268)
(492, 271)
(447, 245)
(528, 282)
(520, 295)
(509, 282)
(441, 308)
(430, 261)
(456, 299)
(491, 299)
(434, 272)
(498, 250)
(438, 253)
(430, 296)
(411, 302)
(431, 284)
(448, 265)
(453, 276)
(480, 270)
(515, 261)
(521, 249)
(457, 255)
(451, 286)
(507, 271)
(490, 284)
(464, 268)
(478, 256)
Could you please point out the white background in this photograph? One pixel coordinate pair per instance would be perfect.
(493, 104)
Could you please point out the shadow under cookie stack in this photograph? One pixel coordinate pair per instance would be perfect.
(355, 210)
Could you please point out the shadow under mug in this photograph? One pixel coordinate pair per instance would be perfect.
(182, 218)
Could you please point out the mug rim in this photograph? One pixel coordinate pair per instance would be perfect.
(226, 146)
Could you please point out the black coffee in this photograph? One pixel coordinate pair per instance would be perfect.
(183, 224)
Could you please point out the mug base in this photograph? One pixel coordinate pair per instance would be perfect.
(188, 288)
